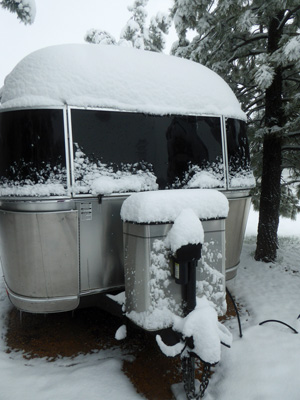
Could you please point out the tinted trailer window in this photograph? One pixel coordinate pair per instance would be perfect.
(174, 149)
(239, 168)
(32, 153)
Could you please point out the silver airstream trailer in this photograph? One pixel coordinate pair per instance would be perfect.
(82, 127)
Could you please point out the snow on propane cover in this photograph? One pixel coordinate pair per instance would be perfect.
(166, 205)
(118, 78)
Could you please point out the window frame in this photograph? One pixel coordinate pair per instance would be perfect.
(67, 194)
(71, 147)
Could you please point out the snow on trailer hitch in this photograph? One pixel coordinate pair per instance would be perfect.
(175, 274)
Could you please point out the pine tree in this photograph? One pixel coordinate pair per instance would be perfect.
(99, 37)
(25, 9)
(136, 33)
(158, 29)
(135, 29)
(255, 46)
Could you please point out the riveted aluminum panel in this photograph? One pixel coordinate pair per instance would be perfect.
(235, 231)
(39, 254)
(101, 244)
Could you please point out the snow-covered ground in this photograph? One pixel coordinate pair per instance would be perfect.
(262, 365)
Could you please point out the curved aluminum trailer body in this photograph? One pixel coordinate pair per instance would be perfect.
(59, 239)
(50, 258)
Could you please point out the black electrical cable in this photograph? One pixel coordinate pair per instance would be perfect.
(236, 311)
(280, 322)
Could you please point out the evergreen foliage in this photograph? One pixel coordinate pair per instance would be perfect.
(25, 9)
(136, 33)
(255, 46)
(97, 36)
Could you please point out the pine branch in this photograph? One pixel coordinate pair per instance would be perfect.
(290, 182)
(255, 109)
(250, 39)
(247, 89)
(290, 67)
(257, 121)
(250, 53)
(293, 134)
(290, 147)
(24, 9)
(288, 15)
(297, 80)
(256, 101)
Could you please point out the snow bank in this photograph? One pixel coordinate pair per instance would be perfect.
(269, 354)
(118, 78)
(166, 205)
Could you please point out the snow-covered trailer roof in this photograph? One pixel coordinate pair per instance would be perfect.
(120, 78)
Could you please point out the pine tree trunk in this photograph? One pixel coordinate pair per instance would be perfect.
(267, 241)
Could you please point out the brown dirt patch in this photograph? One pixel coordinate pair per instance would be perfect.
(87, 330)
(60, 335)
